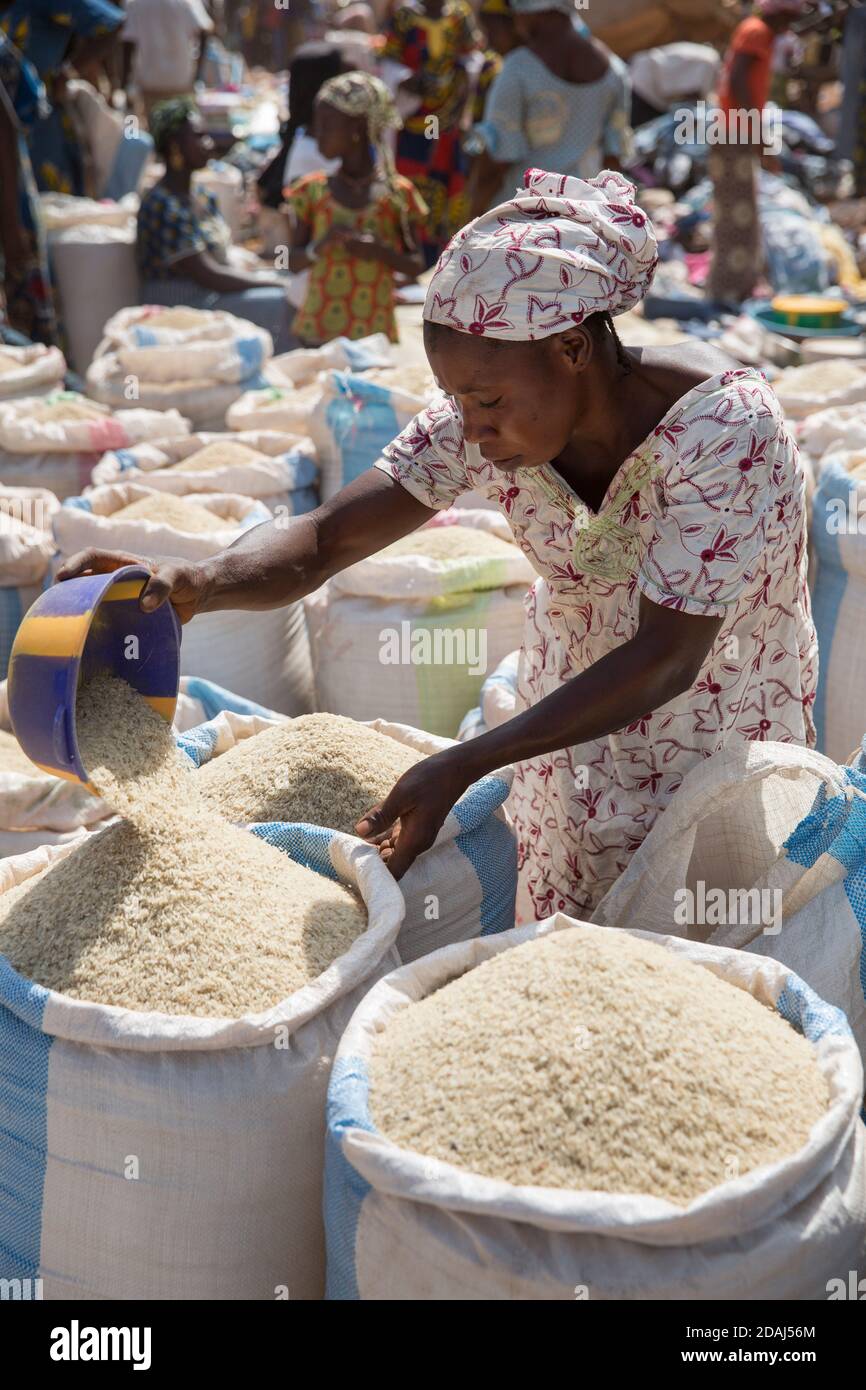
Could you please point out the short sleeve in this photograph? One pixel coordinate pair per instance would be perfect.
(716, 477)
(179, 233)
(302, 197)
(504, 115)
(427, 458)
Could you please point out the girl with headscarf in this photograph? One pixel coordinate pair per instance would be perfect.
(183, 241)
(737, 254)
(656, 491)
(560, 99)
(356, 228)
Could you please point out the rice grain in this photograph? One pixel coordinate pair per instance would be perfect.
(448, 543)
(177, 512)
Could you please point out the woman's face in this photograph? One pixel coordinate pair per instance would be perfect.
(195, 144)
(499, 32)
(520, 402)
(336, 133)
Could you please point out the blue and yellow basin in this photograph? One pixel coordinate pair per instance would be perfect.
(77, 630)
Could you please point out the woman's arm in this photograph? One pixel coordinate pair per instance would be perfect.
(201, 267)
(279, 561)
(659, 663)
(367, 248)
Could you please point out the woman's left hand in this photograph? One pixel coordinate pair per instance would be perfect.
(364, 246)
(407, 822)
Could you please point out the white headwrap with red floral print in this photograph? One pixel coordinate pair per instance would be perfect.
(560, 250)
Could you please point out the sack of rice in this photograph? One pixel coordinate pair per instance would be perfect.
(163, 344)
(842, 428)
(761, 850)
(838, 540)
(226, 183)
(499, 692)
(26, 550)
(286, 479)
(287, 408)
(202, 401)
(355, 417)
(30, 371)
(566, 1112)
(819, 386)
(95, 274)
(55, 441)
(411, 633)
(62, 210)
(263, 656)
(326, 770)
(180, 985)
(303, 365)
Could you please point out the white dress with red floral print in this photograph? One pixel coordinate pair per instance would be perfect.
(706, 516)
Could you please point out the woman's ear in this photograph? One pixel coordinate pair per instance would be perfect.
(577, 347)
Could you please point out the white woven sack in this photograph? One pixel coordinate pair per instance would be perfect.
(819, 386)
(303, 365)
(89, 521)
(29, 371)
(166, 344)
(63, 475)
(421, 577)
(404, 1226)
(787, 826)
(287, 408)
(96, 273)
(273, 479)
(41, 426)
(226, 183)
(358, 414)
(264, 657)
(203, 402)
(26, 542)
(499, 692)
(838, 539)
(841, 428)
(226, 1117)
(464, 886)
(63, 210)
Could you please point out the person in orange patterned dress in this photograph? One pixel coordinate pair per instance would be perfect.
(359, 227)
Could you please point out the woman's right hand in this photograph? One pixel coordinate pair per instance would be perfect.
(185, 584)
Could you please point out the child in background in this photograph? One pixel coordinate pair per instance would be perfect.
(357, 228)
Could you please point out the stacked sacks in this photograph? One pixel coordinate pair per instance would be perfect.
(277, 469)
(838, 539)
(92, 250)
(263, 656)
(842, 427)
(463, 887)
(30, 371)
(197, 360)
(406, 635)
(419, 1220)
(55, 441)
(26, 549)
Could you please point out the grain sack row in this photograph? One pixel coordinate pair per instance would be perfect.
(198, 361)
(263, 656)
(182, 985)
(26, 550)
(276, 468)
(34, 370)
(411, 633)
(55, 441)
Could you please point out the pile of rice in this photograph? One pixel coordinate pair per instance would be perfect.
(322, 769)
(592, 1060)
(59, 408)
(171, 909)
(452, 543)
(221, 454)
(177, 512)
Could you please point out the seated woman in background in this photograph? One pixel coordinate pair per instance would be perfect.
(354, 229)
(561, 100)
(184, 242)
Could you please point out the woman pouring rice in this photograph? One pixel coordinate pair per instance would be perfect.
(657, 493)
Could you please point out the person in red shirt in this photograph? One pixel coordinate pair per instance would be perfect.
(744, 88)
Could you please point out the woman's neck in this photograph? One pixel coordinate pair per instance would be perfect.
(178, 181)
(358, 164)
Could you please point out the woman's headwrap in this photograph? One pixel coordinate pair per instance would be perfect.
(560, 250)
(496, 7)
(168, 116)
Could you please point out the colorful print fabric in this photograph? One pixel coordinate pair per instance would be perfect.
(707, 516)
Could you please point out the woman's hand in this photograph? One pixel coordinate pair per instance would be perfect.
(411, 816)
(183, 583)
